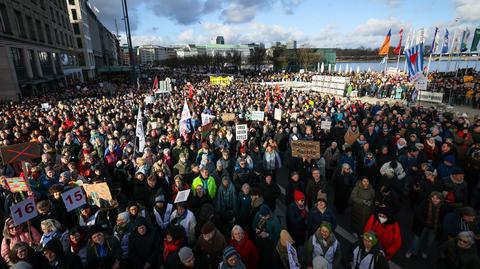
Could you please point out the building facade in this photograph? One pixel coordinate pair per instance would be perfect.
(36, 47)
(147, 54)
(95, 45)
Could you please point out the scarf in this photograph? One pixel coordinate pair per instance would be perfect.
(169, 247)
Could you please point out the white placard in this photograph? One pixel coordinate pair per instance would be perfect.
(326, 125)
(258, 115)
(241, 132)
(74, 198)
(46, 106)
(23, 211)
(278, 114)
(421, 83)
(182, 196)
(149, 99)
(292, 257)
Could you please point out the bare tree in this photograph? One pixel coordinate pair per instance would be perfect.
(308, 57)
(257, 57)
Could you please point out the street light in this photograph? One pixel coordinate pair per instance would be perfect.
(129, 40)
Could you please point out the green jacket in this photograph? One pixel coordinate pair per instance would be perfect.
(212, 188)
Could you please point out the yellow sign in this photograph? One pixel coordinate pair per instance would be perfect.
(222, 81)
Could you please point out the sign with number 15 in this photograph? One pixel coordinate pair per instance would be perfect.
(74, 198)
(23, 211)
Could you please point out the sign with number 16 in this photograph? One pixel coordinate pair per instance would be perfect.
(23, 211)
(74, 198)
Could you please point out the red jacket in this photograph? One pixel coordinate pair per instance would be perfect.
(388, 235)
(247, 250)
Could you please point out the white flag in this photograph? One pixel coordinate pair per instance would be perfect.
(139, 132)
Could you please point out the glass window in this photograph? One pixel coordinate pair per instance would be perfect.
(79, 43)
(74, 14)
(49, 33)
(31, 28)
(76, 28)
(4, 22)
(20, 23)
(41, 37)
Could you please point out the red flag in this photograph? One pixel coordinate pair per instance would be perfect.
(397, 50)
(190, 91)
(155, 84)
(278, 92)
(267, 101)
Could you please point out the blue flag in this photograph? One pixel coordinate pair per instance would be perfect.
(414, 57)
(434, 44)
(445, 42)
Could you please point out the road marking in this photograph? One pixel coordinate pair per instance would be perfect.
(345, 234)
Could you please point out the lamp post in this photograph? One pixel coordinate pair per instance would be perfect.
(129, 40)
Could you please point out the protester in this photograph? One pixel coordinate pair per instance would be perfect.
(324, 244)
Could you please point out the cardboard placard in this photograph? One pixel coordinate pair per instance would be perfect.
(306, 149)
(278, 114)
(23, 211)
(182, 196)
(149, 100)
(20, 152)
(74, 198)
(228, 117)
(17, 184)
(258, 115)
(241, 132)
(98, 194)
(46, 106)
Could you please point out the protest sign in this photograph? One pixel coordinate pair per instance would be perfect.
(258, 115)
(421, 83)
(228, 117)
(306, 149)
(98, 194)
(241, 132)
(46, 106)
(149, 99)
(17, 184)
(182, 196)
(207, 118)
(23, 211)
(326, 125)
(74, 198)
(20, 152)
(206, 130)
(278, 114)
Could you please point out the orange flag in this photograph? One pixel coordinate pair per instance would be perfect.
(386, 44)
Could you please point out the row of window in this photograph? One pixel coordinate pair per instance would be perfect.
(44, 58)
(35, 28)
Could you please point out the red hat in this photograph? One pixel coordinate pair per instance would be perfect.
(298, 195)
(243, 150)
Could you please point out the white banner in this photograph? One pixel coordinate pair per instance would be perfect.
(241, 132)
(278, 114)
(433, 97)
(258, 115)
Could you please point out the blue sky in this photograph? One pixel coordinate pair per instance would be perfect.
(319, 23)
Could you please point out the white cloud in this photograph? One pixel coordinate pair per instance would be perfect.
(186, 36)
(468, 9)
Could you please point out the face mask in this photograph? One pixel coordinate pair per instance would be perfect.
(382, 220)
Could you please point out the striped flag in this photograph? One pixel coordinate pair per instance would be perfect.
(386, 44)
(465, 37)
(414, 57)
(434, 41)
(445, 43)
(139, 132)
(475, 40)
(396, 51)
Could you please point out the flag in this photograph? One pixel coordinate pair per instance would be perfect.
(386, 44)
(455, 43)
(322, 68)
(476, 39)
(421, 36)
(465, 37)
(434, 41)
(397, 50)
(267, 101)
(190, 91)
(155, 84)
(407, 43)
(185, 120)
(139, 132)
(384, 60)
(414, 57)
(138, 84)
(445, 43)
(278, 92)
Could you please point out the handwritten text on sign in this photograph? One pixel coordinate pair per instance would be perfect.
(74, 198)
(23, 211)
(306, 149)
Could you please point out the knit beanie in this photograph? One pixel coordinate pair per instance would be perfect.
(264, 210)
(298, 195)
(326, 225)
(185, 253)
(371, 236)
(228, 252)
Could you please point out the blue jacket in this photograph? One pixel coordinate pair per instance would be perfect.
(315, 218)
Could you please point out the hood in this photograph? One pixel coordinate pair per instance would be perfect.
(55, 246)
(139, 222)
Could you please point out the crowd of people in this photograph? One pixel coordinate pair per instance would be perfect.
(375, 160)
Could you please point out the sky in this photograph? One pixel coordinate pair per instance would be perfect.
(312, 23)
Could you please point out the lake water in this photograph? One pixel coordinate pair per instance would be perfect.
(441, 66)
